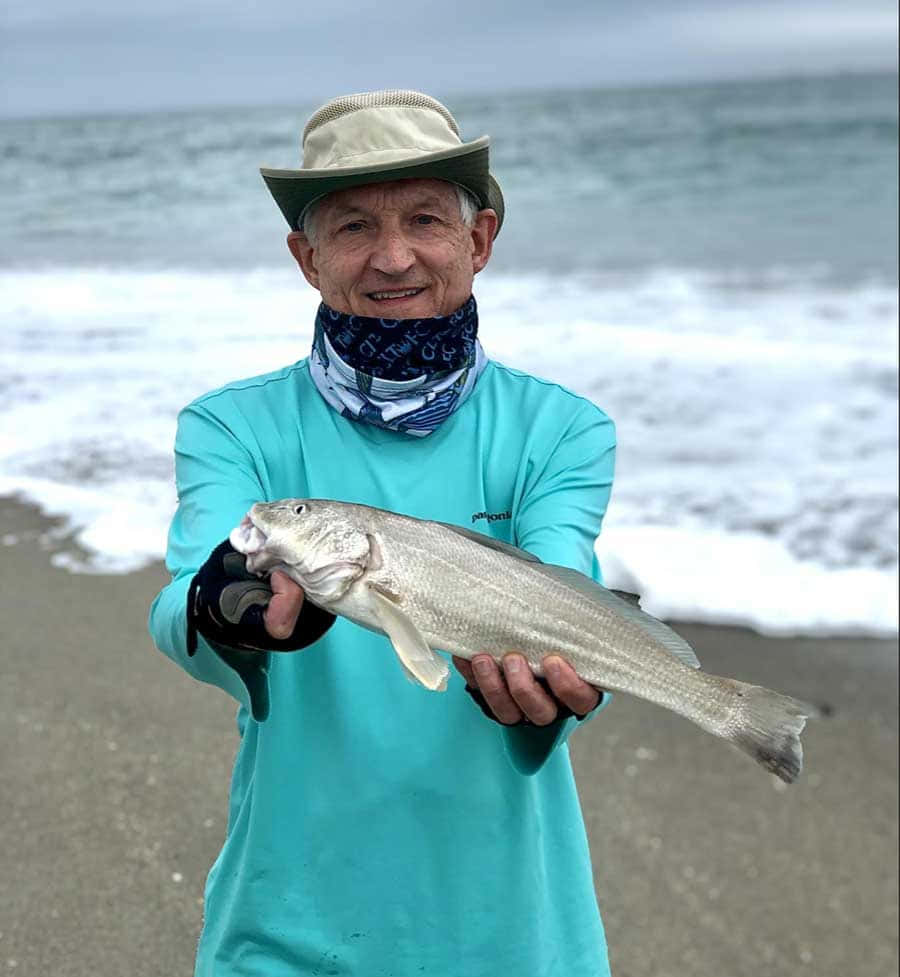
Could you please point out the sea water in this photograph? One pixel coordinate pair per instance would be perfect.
(714, 265)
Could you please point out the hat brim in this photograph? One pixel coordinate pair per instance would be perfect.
(466, 165)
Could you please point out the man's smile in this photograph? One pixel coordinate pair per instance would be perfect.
(388, 296)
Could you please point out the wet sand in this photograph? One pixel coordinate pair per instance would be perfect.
(115, 769)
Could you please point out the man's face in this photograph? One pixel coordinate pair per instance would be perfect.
(394, 250)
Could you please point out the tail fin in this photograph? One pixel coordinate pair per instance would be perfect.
(771, 728)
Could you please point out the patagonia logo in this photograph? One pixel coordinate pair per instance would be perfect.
(491, 516)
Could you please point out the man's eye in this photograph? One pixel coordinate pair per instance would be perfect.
(353, 226)
(426, 219)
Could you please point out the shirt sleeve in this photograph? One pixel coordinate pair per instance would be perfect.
(217, 482)
(558, 519)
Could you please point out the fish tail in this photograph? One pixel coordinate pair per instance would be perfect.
(769, 728)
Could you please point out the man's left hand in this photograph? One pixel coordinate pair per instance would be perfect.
(513, 694)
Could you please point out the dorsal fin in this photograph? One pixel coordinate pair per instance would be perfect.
(624, 603)
(491, 543)
(627, 608)
(631, 598)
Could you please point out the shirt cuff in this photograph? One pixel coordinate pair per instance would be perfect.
(529, 747)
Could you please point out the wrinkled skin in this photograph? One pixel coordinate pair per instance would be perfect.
(374, 242)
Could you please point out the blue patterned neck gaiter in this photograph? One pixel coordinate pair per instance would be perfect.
(403, 374)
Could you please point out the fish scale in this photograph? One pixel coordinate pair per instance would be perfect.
(431, 587)
(573, 627)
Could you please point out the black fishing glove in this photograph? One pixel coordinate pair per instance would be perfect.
(562, 710)
(226, 605)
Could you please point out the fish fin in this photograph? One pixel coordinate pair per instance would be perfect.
(380, 587)
(375, 560)
(631, 598)
(491, 543)
(417, 659)
(770, 728)
(407, 674)
(651, 626)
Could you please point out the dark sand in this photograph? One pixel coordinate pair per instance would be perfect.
(116, 766)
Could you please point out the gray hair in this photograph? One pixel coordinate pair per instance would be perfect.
(468, 209)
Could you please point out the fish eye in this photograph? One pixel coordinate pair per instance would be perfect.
(299, 509)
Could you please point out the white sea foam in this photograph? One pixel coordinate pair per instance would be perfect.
(757, 420)
(745, 579)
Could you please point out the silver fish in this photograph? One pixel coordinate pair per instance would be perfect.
(430, 585)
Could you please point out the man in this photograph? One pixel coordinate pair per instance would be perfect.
(375, 828)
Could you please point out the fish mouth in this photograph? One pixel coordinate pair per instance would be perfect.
(247, 538)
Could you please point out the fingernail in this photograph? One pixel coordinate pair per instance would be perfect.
(512, 664)
(482, 666)
(551, 667)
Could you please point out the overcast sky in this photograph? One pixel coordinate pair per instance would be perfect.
(65, 56)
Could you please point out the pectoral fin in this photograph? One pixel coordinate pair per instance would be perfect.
(419, 661)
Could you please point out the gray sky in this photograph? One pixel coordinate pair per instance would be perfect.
(65, 56)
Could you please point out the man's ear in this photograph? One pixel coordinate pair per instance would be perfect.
(483, 231)
(304, 254)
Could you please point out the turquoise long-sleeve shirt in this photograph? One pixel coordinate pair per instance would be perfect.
(376, 829)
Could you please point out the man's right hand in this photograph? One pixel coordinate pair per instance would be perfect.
(285, 604)
(235, 609)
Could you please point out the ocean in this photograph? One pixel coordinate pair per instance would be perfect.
(714, 265)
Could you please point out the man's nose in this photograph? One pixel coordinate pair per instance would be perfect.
(392, 254)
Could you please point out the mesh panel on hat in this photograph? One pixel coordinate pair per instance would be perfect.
(368, 100)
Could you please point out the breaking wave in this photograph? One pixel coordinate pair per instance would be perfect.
(756, 417)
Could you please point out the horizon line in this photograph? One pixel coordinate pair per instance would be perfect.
(172, 108)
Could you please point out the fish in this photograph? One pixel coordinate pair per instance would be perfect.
(433, 586)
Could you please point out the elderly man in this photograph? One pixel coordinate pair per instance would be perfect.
(375, 828)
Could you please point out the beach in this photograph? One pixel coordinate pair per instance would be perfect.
(116, 768)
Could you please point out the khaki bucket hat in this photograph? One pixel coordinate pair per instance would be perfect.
(375, 137)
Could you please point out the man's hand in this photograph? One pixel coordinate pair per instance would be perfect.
(513, 694)
(233, 608)
(280, 617)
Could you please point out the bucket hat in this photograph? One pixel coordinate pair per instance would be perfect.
(376, 137)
